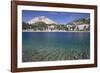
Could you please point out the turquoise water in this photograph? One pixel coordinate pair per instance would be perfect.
(52, 46)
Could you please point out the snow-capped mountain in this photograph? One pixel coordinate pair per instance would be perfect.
(42, 19)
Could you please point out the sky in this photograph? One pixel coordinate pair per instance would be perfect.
(59, 17)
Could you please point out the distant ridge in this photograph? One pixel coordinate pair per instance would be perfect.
(85, 20)
(42, 19)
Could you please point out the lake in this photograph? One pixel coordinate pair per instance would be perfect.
(52, 46)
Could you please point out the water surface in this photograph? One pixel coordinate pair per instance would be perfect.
(52, 46)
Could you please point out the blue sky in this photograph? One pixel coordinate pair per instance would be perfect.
(59, 17)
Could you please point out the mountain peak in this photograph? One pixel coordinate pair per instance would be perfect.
(42, 19)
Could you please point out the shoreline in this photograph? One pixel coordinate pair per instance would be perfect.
(54, 31)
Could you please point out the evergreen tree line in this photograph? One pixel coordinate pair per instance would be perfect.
(43, 26)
